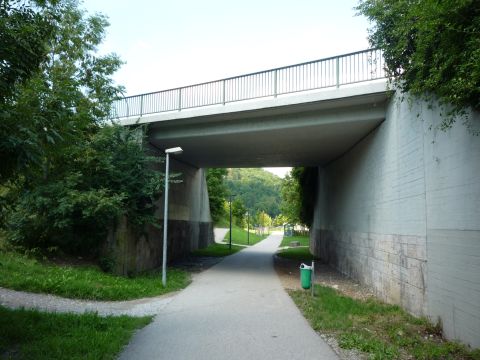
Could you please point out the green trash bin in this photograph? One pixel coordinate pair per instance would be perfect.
(305, 276)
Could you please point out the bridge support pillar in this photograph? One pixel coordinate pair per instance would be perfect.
(190, 226)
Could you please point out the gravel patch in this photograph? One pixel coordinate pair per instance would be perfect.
(140, 307)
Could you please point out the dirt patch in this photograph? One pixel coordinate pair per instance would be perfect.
(196, 264)
(289, 273)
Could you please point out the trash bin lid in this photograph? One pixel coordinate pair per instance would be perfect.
(306, 267)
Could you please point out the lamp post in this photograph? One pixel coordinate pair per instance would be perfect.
(248, 228)
(173, 151)
(230, 237)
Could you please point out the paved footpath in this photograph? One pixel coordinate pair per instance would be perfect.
(219, 234)
(235, 310)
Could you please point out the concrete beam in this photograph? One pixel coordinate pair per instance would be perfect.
(306, 129)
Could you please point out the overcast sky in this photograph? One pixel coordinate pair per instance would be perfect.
(168, 44)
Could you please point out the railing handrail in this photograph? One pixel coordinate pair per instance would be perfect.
(253, 74)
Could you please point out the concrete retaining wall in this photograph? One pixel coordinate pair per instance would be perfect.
(400, 212)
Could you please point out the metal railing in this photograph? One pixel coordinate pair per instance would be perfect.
(334, 71)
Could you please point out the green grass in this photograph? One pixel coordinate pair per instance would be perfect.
(222, 223)
(303, 240)
(384, 331)
(297, 253)
(27, 334)
(19, 272)
(217, 250)
(240, 236)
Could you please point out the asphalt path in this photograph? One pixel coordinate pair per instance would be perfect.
(237, 309)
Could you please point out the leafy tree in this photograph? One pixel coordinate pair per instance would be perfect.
(68, 94)
(103, 177)
(280, 220)
(263, 219)
(300, 188)
(74, 176)
(238, 212)
(291, 198)
(431, 49)
(24, 33)
(217, 192)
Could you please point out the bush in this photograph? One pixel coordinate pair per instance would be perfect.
(97, 180)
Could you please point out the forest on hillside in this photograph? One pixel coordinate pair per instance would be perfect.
(258, 189)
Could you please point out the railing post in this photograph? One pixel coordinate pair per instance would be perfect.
(223, 90)
(141, 105)
(179, 99)
(337, 70)
(275, 83)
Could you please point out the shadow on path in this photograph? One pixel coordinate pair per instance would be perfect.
(237, 309)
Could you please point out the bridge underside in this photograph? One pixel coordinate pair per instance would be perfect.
(301, 130)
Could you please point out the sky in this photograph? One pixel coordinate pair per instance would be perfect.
(168, 44)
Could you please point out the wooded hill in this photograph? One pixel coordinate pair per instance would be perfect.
(258, 189)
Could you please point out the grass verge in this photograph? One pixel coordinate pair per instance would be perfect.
(296, 253)
(383, 331)
(19, 272)
(217, 250)
(28, 334)
(303, 240)
(240, 236)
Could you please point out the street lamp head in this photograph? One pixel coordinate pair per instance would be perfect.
(175, 150)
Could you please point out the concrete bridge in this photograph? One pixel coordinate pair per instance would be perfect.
(397, 205)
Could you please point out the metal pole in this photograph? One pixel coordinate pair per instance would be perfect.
(230, 243)
(179, 99)
(337, 71)
(275, 83)
(223, 96)
(248, 228)
(165, 222)
(313, 278)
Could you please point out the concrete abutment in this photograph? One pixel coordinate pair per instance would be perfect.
(190, 225)
(400, 212)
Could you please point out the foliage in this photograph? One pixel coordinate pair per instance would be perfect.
(280, 220)
(63, 97)
(217, 192)
(89, 186)
(262, 219)
(239, 212)
(259, 190)
(65, 176)
(22, 49)
(83, 282)
(217, 250)
(28, 334)
(431, 49)
(291, 201)
(384, 331)
(22, 44)
(303, 194)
